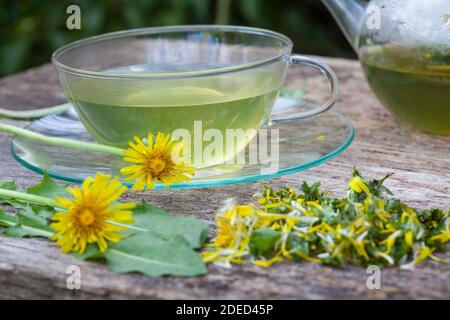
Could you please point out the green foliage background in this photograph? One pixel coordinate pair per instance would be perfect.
(32, 29)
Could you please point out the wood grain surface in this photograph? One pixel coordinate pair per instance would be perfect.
(34, 268)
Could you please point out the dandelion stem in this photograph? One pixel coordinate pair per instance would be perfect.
(32, 114)
(62, 142)
(42, 233)
(17, 195)
(36, 231)
(28, 197)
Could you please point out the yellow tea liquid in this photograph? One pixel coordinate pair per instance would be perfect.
(413, 83)
(114, 111)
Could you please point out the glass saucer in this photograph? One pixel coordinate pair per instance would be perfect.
(303, 143)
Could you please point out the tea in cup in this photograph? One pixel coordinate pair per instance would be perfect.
(130, 83)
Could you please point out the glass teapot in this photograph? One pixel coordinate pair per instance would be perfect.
(404, 48)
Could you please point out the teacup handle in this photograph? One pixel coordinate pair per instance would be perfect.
(325, 70)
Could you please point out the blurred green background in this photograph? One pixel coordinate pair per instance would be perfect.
(32, 29)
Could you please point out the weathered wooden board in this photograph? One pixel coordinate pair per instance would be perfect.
(32, 268)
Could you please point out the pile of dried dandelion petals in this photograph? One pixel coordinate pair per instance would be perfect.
(367, 227)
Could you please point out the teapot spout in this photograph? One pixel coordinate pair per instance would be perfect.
(348, 14)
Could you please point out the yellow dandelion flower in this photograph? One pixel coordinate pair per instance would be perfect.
(161, 160)
(91, 215)
(234, 227)
(225, 236)
(357, 184)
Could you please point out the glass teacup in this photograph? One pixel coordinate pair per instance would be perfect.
(133, 82)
